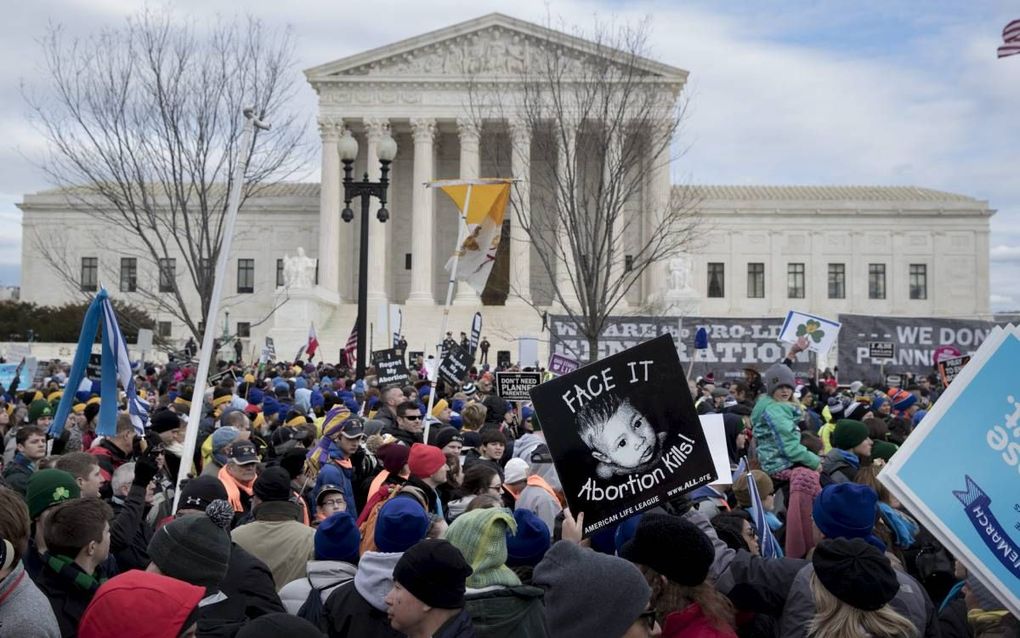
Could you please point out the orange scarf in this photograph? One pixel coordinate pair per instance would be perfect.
(234, 488)
(537, 481)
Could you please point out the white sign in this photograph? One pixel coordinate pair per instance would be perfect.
(527, 352)
(821, 333)
(144, 342)
(715, 435)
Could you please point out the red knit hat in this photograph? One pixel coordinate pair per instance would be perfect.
(141, 604)
(425, 460)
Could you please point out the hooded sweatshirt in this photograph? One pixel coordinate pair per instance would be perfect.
(324, 575)
(24, 610)
(358, 607)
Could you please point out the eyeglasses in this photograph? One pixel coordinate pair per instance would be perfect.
(334, 502)
(649, 618)
(411, 417)
(496, 487)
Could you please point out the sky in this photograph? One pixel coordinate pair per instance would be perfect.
(794, 92)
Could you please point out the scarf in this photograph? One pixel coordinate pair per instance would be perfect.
(902, 527)
(804, 487)
(537, 481)
(850, 458)
(69, 571)
(234, 488)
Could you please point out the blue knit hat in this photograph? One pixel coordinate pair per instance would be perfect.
(401, 523)
(255, 396)
(877, 403)
(338, 538)
(270, 406)
(918, 417)
(908, 400)
(530, 543)
(847, 510)
(223, 437)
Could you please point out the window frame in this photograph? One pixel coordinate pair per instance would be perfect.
(245, 274)
(920, 272)
(796, 280)
(877, 281)
(755, 279)
(128, 274)
(92, 285)
(837, 271)
(716, 274)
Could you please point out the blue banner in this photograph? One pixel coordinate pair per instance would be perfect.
(979, 510)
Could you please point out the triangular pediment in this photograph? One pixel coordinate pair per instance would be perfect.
(494, 45)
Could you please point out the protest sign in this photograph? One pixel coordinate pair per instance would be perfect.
(957, 472)
(624, 434)
(94, 368)
(820, 332)
(389, 367)
(527, 352)
(455, 365)
(945, 352)
(734, 344)
(476, 332)
(8, 370)
(915, 341)
(715, 435)
(949, 369)
(271, 347)
(562, 364)
(878, 350)
(144, 341)
(515, 386)
(15, 352)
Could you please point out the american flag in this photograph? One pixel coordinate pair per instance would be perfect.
(351, 349)
(768, 543)
(1011, 38)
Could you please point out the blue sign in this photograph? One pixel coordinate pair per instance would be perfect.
(7, 371)
(959, 472)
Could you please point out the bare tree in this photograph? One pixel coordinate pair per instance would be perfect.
(143, 127)
(606, 124)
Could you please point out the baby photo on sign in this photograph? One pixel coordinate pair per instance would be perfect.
(624, 433)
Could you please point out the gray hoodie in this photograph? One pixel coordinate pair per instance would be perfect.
(324, 575)
(375, 577)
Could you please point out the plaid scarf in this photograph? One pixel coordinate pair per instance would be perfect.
(70, 572)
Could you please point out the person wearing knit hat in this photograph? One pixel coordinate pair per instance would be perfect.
(766, 492)
(775, 420)
(142, 605)
(905, 404)
(47, 488)
(441, 411)
(427, 598)
(880, 406)
(850, 443)
(496, 599)
(883, 450)
(196, 550)
(851, 585)
(847, 510)
(427, 463)
(675, 555)
(401, 523)
(339, 454)
(218, 442)
(40, 413)
(526, 547)
(449, 440)
(278, 536)
(589, 594)
(336, 557)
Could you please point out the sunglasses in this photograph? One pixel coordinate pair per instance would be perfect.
(411, 417)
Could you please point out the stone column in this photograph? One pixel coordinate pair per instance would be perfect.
(567, 176)
(618, 249)
(470, 168)
(329, 206)
(660, 185)
(520, 213)
(377, 232)
(424, 132)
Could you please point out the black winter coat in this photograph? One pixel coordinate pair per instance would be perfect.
(68, 601)
(249, 578)
(129, 533)
(349, 615)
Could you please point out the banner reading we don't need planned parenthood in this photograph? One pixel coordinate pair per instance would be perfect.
(959, 471)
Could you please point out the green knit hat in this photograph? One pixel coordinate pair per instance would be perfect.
(883, 450)
(481, 536)
(38, 409)
(47, 488)
(848, 434)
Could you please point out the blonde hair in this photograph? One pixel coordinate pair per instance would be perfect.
(473, 415)
(836, 619)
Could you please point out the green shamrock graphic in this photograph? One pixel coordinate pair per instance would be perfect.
(61, 494)
(812, 329)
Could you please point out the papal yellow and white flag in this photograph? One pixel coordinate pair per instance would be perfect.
(483, 204)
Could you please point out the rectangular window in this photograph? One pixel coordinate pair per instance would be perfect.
(716, 279)
(795, 281)
(918, 281)
(163, 329)
(756, 280)
(128, 274)
(876, 281)
(89, 274)
(279, 273)
(245, 275)
(167, 274)
(407, 261)
(244, 329)
(837, 281)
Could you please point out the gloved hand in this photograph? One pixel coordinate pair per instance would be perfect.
(145, 470)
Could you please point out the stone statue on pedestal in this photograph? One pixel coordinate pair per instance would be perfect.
(299, 270)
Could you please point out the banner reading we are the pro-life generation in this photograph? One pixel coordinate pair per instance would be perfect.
(959, 471)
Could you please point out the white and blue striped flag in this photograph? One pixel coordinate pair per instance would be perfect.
(138, 409)
(768, 544)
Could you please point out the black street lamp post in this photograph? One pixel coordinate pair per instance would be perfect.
(386, 150)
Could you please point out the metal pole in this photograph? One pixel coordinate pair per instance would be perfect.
(363, 289)
(233, 203)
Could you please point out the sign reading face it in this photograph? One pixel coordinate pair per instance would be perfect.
(882, 350)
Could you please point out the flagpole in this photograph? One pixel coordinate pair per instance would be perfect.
(461, 235)
(198, 395)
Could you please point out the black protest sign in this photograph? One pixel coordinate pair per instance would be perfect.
(624, 433)
(455, 365)
(516, 386)
(94, 368)
(389, 367)
(881, 349)
(949, 368)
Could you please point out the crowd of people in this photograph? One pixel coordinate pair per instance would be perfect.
(321, 505)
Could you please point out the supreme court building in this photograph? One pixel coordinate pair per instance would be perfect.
(766, 249)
